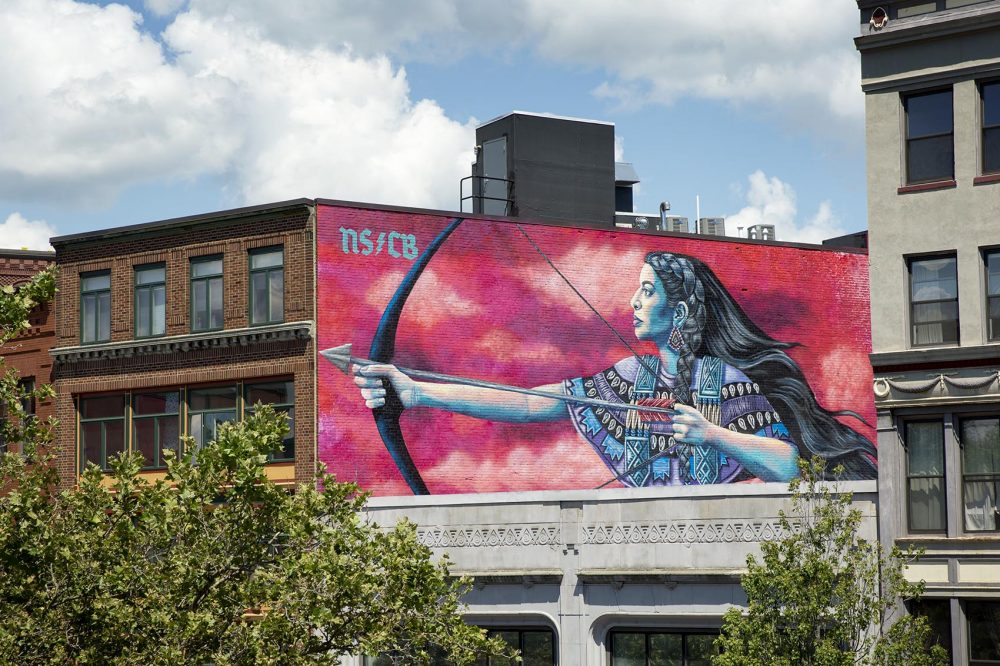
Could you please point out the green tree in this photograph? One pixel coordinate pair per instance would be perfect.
(214, 564)
(824, 596)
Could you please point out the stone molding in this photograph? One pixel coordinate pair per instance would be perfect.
(236, 337)
(683, 531)
(488, 536)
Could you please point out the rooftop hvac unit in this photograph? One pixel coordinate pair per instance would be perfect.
(675, 223)
(712, 226)
(761, 232)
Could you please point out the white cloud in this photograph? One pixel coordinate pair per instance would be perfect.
(19, 233)
(164, 7)
(773, 201)
(89, 104)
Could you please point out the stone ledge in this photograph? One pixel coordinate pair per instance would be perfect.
(235, 337)
(621, 576)
(513, 576)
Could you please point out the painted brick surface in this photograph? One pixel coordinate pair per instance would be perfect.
(489, 306)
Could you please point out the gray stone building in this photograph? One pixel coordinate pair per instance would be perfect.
(931, 77)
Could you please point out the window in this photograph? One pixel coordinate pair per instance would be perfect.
(648, 648)
(155, 426)
(990, 94)
(150, 301)
(206, 293)
(280, 395)
(930, 151)
(993, 295)
(984, 637)
(937, 612)
(208, 408)
(102, 429)
(980, 439)
(95, 307)
(537, 647)
(27, 387)
(925, 476)
(934, 301)
(267, 286)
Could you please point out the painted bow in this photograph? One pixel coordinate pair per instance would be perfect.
(383, 349)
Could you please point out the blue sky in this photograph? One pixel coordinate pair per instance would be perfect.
(117, 114)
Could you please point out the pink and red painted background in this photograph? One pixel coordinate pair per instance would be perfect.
(488, 306)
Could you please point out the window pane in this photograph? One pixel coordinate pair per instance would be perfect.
(258, 293)
(150, 275)
(169, 427)
(938, 615)
(666, 650)
(934, 279)
(266, 259)
(930, 159)
(993, 273)
(980, 505)
(159, 314)
(628, 650)
(104, 316)
(199, 296)
(145, 439)
(142, 312)
(156, 403)
(89, 305)
(273, 393)
(991, 150)
(927, 504)
(218, 397)
(277, 296)
(90, 441)
(95, 282)
(215, 302)
(208, 267)
(935, 312)
(984, 629)
(929, 113)
(700, 649)
(538, 649)
(104, 406)
(929, 334)
(991, 104)
(981, 446)
(114, 437)
(925, 448)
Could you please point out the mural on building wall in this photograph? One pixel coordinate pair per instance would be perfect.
(464, 355)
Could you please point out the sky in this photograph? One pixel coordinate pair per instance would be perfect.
(115, 114)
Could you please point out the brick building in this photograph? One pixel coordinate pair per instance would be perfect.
(28, 353)
(171, 328)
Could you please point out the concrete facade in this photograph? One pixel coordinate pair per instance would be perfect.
(954, 48)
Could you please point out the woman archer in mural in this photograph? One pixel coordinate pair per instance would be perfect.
(740, 406)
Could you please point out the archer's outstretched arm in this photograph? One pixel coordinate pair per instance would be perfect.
(481, 403)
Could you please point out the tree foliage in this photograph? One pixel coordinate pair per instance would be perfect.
(214, 563)
(823, 595)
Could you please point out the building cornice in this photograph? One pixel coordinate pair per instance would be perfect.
(236, 337)
(932, 26)
(935, 358)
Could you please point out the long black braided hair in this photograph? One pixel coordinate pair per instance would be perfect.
(717, 326)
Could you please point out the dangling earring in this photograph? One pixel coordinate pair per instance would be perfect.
(676, 340)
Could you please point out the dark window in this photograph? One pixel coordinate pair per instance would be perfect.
(206, 293)
(934, 301)
(150, 301)
(155, 425)
(649, 648)
(95, 307)
(993, 295)
(102, 429)
(984, 632)
(26, 386)
(980, 439)
(208, 408)
(267, 286)
(280, 395)
(991, 126)
(537, 648)
(930, 152)
(925, 476)
(937, 612)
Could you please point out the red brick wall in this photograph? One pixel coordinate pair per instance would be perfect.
(175, 246)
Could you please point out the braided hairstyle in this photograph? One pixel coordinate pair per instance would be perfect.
(717, 326)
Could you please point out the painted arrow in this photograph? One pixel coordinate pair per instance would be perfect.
(341, 357)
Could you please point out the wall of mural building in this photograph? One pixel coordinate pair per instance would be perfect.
(656, 361)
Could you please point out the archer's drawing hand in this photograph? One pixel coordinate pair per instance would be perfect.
(369, 379)
(690, 427)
